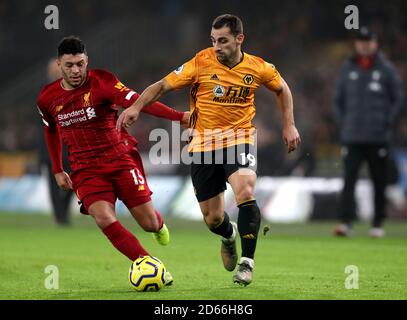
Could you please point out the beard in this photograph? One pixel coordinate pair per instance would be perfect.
(76, 81)
(222, 57)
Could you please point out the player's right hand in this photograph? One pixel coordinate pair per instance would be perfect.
(127, 118)
(291, 138)
(63, 180)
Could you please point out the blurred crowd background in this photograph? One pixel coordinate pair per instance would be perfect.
(142, 41)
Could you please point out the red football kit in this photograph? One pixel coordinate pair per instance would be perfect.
(105, 163)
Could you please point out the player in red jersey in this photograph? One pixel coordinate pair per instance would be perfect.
(80, 109)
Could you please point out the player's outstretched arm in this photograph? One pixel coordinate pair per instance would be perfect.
(291, 136)
(160, 110)
(150, 94)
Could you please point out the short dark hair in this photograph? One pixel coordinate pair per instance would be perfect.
(229, 20)
(71, 45)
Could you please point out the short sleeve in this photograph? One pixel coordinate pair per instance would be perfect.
(270, 76)
(184, 75)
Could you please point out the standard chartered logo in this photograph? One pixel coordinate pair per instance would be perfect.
(90, 112)
(77, 116)
(73, 114)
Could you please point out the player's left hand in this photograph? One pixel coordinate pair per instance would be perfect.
(291, 137)
(127, 118)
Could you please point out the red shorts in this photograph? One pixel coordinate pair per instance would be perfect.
(122, 178)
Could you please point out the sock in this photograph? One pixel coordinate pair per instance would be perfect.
(160, 219)
(225, 228)
(248, 224)
(124, 241)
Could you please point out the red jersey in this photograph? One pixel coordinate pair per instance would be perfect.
(86, 118)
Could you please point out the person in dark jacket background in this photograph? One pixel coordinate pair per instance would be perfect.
(368, 99)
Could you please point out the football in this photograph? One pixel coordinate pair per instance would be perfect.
(147, 274)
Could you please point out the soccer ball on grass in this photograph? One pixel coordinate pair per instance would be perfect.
(147, 273)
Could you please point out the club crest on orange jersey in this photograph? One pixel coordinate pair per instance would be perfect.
(86, 99)
(248, 79)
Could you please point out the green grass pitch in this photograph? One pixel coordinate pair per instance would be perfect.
(292, 262)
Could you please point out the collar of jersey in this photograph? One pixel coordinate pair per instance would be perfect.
(230, 68)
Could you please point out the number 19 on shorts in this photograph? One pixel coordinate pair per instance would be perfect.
(248, 159)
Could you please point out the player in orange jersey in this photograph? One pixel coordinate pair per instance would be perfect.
(223, 80)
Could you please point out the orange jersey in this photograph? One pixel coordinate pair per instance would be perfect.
(222, 98)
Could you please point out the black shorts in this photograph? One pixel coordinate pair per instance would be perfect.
(211, 170)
